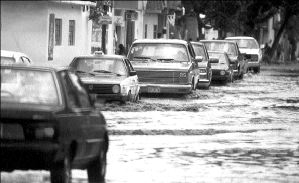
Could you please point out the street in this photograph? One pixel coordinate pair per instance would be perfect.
(247, 131)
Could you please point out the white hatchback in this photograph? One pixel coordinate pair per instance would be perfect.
(13, 57)
(250, 47)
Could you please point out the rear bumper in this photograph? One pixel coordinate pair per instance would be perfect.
(164, 88)
(117, 96)
(29, 155)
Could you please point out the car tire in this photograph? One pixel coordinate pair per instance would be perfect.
(62, 172)
(257, 70)
(96, 171)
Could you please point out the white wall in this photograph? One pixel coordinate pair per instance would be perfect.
(63, 55)
(150, 20)
(24, 28)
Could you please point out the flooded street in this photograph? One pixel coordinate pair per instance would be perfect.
(247, 131)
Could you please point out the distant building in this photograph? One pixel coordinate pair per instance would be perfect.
(47, 31)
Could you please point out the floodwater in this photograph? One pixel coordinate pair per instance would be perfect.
(247, 131)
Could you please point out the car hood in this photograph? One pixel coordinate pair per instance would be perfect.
(28, 111)
(156, 66)
(219, 66)
(110, 79)
(249, 51)
(202, 64)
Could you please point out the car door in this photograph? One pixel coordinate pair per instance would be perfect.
(94, 124)
(133, 79)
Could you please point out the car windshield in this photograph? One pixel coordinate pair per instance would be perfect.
(220, 56)
(28, 86)
(246, 43)
(158, 52)
(199, 51)
(229, 48)
(100, 65)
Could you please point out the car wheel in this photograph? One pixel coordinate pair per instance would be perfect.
(96, 171)
(257, 70)
(62, 172)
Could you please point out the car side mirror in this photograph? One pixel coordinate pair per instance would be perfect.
(133, 73)
(214, 60)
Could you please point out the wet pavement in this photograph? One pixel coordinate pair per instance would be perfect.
(247, 131)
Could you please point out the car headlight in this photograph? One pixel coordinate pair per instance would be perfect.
(115, 89)
(202, 70)
(44, 132)
(222, 72)
(183, 75)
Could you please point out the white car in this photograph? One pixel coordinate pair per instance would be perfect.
(13, 57)
(250, 47)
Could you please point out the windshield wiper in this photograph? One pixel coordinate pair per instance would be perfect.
(104, 71)
(79, 71)
(145, 58)
(165, 59)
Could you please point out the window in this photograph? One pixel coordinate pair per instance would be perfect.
(72, 32)
(58, 30)
(145, 31)
(155, 31)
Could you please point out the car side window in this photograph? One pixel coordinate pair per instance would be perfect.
(71, 96)
(80, 90)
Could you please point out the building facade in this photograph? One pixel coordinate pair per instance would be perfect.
(47, 31)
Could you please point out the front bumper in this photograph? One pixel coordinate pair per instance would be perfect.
(253, 65)
(217, 76)
(117, 96)
(28, 155)
(165, 88)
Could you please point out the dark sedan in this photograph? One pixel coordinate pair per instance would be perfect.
(221, 67)
(49, 122)
(231, 48)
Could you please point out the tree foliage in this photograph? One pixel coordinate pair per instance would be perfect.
(243, 16)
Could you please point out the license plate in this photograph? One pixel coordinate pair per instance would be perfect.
(11, 131)
(153, 90)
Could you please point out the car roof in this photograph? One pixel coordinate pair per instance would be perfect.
(218, 41)
(198, 43)
(239, 37)
(222, 52)
(12, 54)
(173, 41)
(102, 56)
(37, 67)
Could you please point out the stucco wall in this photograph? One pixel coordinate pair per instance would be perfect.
(24, 28)
(63, 55)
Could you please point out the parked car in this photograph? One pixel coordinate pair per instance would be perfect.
(13, 57)
(221, 67)
(234, 54)
(250, 47)
(49, 122)
(110, 77)
(205, 71)
(165, 65)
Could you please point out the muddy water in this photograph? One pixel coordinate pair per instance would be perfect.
(247, 131)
